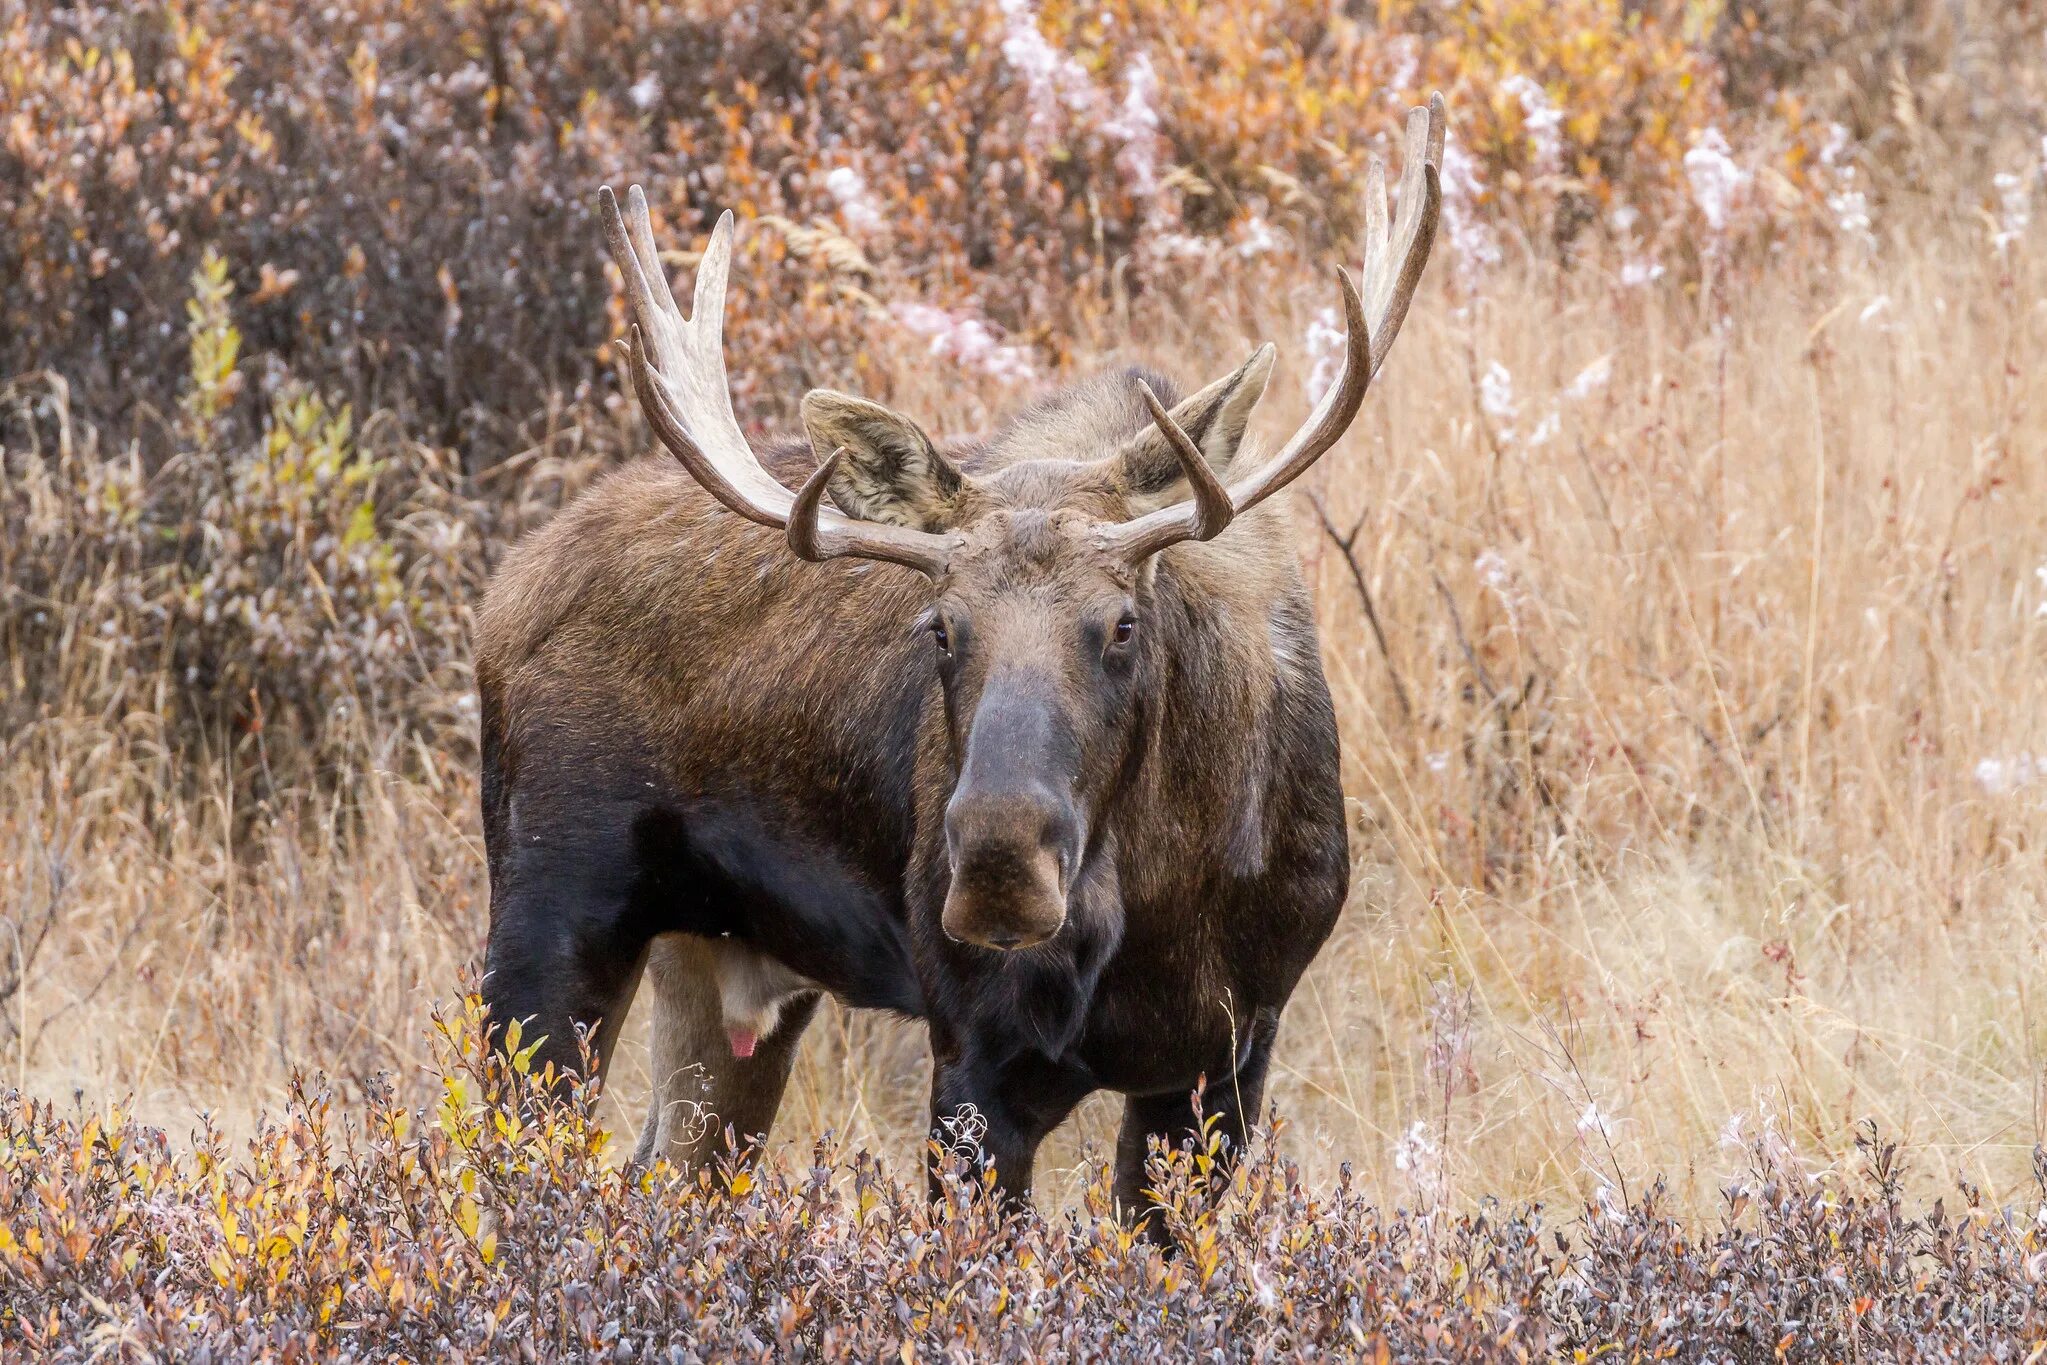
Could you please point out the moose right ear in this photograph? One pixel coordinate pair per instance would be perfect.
(1215, 418)
(891, 472)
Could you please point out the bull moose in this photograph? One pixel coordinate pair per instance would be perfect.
(1024, 735)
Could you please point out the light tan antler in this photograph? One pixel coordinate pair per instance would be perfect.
(1372, 314)
(678, 371)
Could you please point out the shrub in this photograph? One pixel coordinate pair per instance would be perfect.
(403, 195)
(496, 1225)
(1932, 85)
(259, 592)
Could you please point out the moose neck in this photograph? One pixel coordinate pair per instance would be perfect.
(1193, 806)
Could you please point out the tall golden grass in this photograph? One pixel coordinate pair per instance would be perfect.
(1697, 769)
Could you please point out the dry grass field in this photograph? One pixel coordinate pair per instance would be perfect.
(1683, 591)
(1699, 783)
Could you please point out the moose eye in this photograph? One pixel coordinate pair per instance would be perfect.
(939, 636)
(1125, 628)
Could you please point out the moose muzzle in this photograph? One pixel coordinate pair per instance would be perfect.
(1011, 828)
(1009, 861)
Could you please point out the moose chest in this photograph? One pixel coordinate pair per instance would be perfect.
(1188, 1000)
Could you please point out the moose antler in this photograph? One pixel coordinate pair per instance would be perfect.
(678, 371)
(1372, 315)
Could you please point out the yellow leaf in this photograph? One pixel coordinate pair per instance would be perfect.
(466, 1216)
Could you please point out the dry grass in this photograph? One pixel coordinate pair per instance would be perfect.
(1666, 788)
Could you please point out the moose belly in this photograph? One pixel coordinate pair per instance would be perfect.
(788, 893)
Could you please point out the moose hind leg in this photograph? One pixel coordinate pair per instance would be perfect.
(725, 1027)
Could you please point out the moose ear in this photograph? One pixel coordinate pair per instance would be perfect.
(1215, 418)
(891, 471)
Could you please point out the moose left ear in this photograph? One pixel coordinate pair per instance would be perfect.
(1215, 418)
(891, 472)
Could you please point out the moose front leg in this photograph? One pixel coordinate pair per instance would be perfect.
(1232, 1101)
(1002, 1112)
(564, 958)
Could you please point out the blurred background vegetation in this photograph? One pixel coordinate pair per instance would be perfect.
(284, 289)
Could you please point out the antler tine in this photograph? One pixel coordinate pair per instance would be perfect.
(658, 319)
(1393, 264)
(803, 517)
(1421, 198)
(1331, 416)
(1375, 277)
(652, 279)
(678, 370)
(1211, 504)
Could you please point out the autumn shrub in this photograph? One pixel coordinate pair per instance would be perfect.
(493, 1225)
(269, 594)
(1931, 86)
(402, 192)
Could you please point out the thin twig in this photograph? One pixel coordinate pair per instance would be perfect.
(1485, 677)
(1346, 544)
